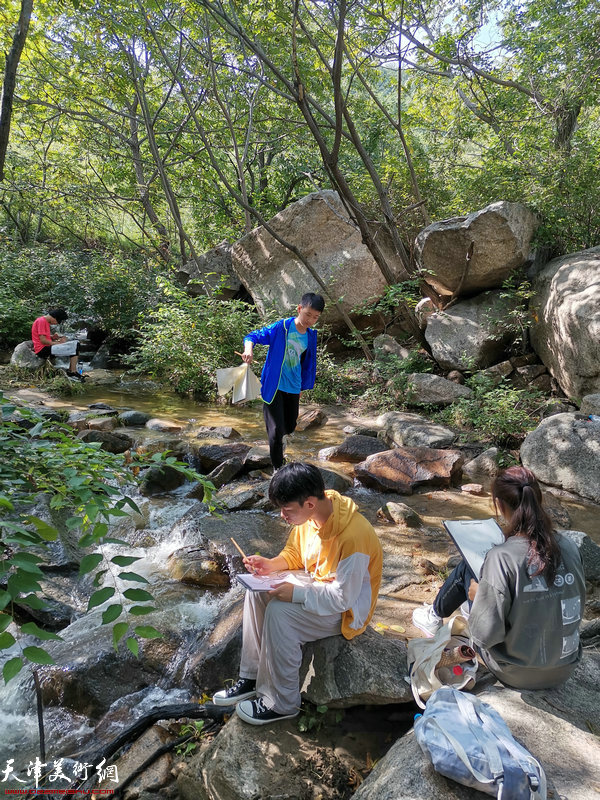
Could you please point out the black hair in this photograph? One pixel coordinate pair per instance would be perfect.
(519, 492)
(59, 314)
(312, 300)
(295, 483)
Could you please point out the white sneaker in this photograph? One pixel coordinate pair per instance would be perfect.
(243, 689)
(426, 620)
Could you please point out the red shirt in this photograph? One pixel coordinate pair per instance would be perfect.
(41, 325)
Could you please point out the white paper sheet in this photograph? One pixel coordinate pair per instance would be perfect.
(474, 537)
(264, 583)
(242, 380)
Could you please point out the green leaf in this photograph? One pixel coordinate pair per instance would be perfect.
(38, 655)
(132, 576)
(101, 596)
(73, 522)
(5, 503)
(18, 561)
(22, 582)
(132, 504)
(124, 561)
(6, 640)
(100, 530)
(90, 562)
(132, 644)
(5, 598)
(111, 613)
(47, 532)
(117, 512)
(12, 668)
(137, 595)
(140, 611)
(147, 632)
(99, 576)
(5, 620)
(32, 601)
(34, 630)
(36, 430)
(119, 631)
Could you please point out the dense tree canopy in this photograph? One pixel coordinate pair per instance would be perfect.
(167, 126)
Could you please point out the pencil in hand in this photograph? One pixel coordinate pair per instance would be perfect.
(237, 547)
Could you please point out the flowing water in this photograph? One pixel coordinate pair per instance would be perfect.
(184, 611)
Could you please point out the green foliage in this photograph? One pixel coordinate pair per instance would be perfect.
(313, 718)
(519, 292)
(186, 339)
(110, 289)
(194, 732)
(84, 486)
(500, 415)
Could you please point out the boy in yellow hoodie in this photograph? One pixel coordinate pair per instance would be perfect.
(341, 559)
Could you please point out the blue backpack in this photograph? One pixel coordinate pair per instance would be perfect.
(469, 742)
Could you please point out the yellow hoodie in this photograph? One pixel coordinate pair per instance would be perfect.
(344, 558)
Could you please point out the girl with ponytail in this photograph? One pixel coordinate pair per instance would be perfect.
(525, 607)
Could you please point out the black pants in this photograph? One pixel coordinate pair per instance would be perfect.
(280, 416)
(455, 590)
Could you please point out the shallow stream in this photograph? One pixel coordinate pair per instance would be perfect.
(186, 612)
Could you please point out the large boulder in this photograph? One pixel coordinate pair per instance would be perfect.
(500, 235)
(319, 226)
(401, 429)
(244, 762)
(206, 457)
(590, 554)
(101, 377)
(486, 463)
(134, 418)
(340, 674)
(556, 726)
(24, 357)
(472, 333)
(109, 440)
(423, 388)
(212, 269)
(159, 479)
(564, 451)
(590, 404)
(566, 331)
(406, 468)
(353, 449)
(194, 565)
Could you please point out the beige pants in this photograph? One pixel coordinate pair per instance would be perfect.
(274, 632)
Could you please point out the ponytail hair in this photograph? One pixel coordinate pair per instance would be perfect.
(517, 489)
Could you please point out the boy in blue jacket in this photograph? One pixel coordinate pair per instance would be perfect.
(290, 368)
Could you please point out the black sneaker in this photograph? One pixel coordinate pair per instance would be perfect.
(256, 712)
(242, 690)
(75, 376)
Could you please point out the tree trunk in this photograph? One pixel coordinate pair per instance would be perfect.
(10, 78)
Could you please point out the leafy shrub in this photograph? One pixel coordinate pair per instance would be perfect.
(113, 289)
(186, 339)
(499, 414)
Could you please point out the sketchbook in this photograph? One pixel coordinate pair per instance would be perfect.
(264, 583)
(474, 537)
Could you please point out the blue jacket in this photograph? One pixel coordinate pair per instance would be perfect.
(275, 336)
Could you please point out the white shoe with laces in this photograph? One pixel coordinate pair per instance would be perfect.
(256, 712)
(426, 620)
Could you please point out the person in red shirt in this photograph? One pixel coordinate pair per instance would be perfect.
(46, 344)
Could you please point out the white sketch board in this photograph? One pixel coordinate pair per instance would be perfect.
(474, 537)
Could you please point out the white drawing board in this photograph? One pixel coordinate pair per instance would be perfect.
(474, 537)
